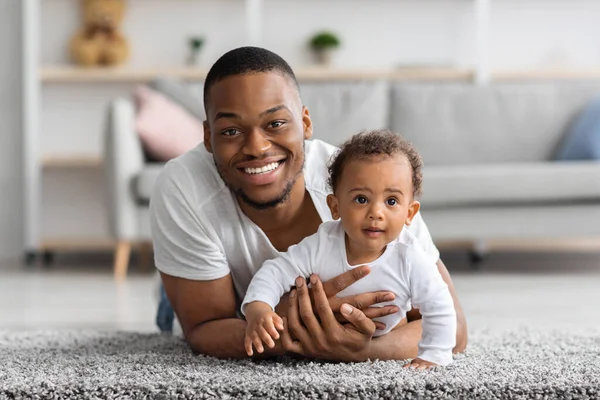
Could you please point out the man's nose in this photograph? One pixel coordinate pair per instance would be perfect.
(256, 143)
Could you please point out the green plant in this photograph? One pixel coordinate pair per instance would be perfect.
(196, 43)
(324, 40)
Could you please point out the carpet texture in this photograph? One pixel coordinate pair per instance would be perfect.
(511, 365)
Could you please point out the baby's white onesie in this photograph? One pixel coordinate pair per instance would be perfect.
(404, 269)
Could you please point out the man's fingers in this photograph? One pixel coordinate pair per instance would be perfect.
(358, 319)
(305, 308)
(379, 325)
(287, 342)
(377, 312)
(321, 303)
(342, 281)
(293, 319)
(364, 300)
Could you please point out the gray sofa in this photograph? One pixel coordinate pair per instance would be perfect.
(488, 176)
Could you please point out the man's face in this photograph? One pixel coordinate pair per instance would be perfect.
(255, 128)
(374, 200)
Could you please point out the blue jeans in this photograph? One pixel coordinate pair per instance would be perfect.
(165, 314)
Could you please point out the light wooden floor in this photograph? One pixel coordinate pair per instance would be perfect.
(539, 290)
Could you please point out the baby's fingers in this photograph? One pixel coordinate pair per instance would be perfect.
(266, 337)
(270, 328)
(278, 323)
(248, 345)
(258, 343)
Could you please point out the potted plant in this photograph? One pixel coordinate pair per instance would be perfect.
(195, 43)
(323, 45)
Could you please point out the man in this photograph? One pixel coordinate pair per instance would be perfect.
(256, 187)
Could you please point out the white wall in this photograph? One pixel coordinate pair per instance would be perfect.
(375, 33)
(11, 231)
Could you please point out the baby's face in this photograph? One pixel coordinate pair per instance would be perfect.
(374, 199)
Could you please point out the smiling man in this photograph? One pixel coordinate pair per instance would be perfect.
(256, 187)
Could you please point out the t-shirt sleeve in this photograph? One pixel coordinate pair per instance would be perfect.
(183, 246)
(420, 231)
(430, 294)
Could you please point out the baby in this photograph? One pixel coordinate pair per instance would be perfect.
(375, 179)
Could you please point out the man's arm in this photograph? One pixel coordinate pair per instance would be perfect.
(207, 313)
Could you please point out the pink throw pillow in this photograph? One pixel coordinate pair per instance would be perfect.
(165, 128)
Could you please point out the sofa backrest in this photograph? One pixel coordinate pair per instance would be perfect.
(466, 124)
(340, 109)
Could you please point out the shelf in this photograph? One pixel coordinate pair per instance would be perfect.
(73, 74)
(72, 161)
(91, 244)
(546, 74)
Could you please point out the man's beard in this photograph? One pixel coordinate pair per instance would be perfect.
(282, 198)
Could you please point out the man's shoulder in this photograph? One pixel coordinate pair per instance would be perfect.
(192, 174)
(318, 156)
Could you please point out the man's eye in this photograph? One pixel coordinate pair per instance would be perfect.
(276, 124)
(361, 200)
(391, 202)
(230, 132)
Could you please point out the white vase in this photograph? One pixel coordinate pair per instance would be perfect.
(324, 57)
(194, 59)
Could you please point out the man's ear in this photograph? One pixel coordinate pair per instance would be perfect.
(333, 206)
(207, 143)
(413, 209)
(307, 122)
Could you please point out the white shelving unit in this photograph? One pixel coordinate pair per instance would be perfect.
(37, 76)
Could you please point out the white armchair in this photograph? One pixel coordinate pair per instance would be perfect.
(130, 180)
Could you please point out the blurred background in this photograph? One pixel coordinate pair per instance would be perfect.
(501, 98)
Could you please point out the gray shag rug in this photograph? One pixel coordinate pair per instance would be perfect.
(83, 364)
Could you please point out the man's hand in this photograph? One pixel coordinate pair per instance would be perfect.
(420, 364)
(262, 325)
(328, 339)
(362, 301)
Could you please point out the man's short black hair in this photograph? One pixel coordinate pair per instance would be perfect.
(246, 60)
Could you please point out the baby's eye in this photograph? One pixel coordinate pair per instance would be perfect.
(230, 132)
(361, 200)
(391, 202)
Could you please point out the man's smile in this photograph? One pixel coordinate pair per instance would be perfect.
(260, 167)
(261, 172)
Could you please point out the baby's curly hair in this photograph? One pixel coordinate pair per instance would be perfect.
(372, 143)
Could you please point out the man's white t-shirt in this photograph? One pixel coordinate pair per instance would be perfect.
(403, 269)
(199, 231)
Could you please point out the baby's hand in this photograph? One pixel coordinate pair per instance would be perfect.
(261, 323)
(420, 364)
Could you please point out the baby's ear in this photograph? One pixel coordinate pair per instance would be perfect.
(413, 209)
(333, 206)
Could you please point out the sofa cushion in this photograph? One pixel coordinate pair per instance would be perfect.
(143, 183)
(457, 124)
(583, 139)
(511, 184)
(165, 128)
(187, 95)
(339, 110)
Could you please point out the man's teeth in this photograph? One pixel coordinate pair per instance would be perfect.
(262, 170)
